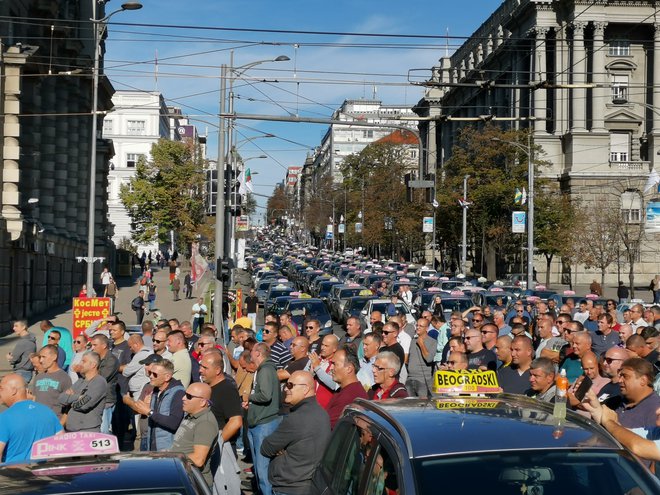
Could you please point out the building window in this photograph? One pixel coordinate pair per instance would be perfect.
(619, 88)
(619, 147)
(136, 127)
(108, 126)
(368, 134)
(132, 159)
(631, 207)
(619, 48)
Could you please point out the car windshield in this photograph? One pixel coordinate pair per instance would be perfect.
(357, 304)
(541, 472)
(346, 293)
(382, 308)
(312, 309)
(279, 292)
(456, 304)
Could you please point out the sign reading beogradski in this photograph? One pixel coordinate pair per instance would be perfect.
(87, 310)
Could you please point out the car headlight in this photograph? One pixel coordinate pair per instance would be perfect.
(328, 324)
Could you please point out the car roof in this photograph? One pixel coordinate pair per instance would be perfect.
(454, 425)
(104, 473)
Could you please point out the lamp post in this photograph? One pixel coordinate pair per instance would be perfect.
(465, 207)
(99, 26)
(529, 151)
(227, 73)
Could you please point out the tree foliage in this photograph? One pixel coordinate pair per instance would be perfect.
(166, 193)
(495, 168)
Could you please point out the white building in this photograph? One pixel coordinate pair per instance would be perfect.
(138, 121)
(342, 140)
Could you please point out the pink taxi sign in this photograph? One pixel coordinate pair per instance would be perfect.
(75, 444)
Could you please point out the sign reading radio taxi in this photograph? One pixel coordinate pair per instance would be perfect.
(87, 310)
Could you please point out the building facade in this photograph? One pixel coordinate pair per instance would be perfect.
(584, 76)
(139, 119)
(45, 98)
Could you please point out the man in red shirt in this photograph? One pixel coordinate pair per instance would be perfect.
(344, 372)
(322, 366)
(386, 369)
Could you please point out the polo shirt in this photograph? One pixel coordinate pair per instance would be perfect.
(640, 415)
(600, 342)
(280, 355)
(512, 381)
(342, 398)
(197, 429)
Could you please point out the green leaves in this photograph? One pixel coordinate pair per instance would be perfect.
(166, 193)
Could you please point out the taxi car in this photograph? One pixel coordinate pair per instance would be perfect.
(63, 467)
(495, 443)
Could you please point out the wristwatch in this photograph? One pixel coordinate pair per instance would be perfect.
(151, 413)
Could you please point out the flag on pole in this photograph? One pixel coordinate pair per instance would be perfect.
(245, 181)
(360, 214)
(198, 265)
(652, 181)
(524, 197)
(341, 218)
(517, 198)
(435, 203)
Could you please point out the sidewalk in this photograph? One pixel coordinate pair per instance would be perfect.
(128, 288)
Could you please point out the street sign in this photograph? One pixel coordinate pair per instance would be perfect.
(329, 232)
(358, 227)
(518, 222)
(420, 184)
(427, 224)
(242, 223)
(341, 228)
(87, 310)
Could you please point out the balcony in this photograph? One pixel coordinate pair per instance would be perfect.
(634, 166)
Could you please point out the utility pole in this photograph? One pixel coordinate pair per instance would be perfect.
(220, 209)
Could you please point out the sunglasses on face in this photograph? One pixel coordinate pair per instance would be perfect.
(78, 341)
(290, 385)
(476, 321)
(610, 360)
(267, 332)
(53, 338)
(202, 344)
(389, 332)
(154, 374)
(191, 396)
(159, 341)
(378, 368)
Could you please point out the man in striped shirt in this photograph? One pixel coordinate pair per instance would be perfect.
(279, 354)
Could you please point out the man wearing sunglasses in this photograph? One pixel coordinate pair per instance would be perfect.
(614, 358)
(160, 344)
(197, 434)
(163, 406)
(296, 446)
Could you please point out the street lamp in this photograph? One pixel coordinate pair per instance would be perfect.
(227, 73)
(99, 29)
(529, 151)
(465, 207)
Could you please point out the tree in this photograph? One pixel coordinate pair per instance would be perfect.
(277, 205)
(554, 218)
(598, 241)
(376, 174)
(166, 193)
(496, 168)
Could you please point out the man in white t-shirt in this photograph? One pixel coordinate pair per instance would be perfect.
(199, 311)
(106, 276)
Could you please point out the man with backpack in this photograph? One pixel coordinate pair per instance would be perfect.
(137, 305)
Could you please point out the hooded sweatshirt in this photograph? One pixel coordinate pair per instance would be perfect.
(25, 346)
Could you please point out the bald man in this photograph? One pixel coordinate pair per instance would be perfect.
(296, 446)
(198, 432)
(24, 422)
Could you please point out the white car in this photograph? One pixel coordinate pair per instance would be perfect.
(381, 305)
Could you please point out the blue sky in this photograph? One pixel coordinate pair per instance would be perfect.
(324, 70)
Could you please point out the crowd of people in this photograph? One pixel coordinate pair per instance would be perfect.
(273, 395)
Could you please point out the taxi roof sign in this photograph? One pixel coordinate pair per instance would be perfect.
(465, 382)
(74, 444)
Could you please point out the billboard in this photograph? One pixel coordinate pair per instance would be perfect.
(653, 216)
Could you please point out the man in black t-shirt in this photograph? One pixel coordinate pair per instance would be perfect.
(478, 356)
(300, 361)
(390, 334)
(225, 401)
(251, 307)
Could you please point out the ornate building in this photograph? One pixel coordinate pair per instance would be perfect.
(586, 76)
(45, 99)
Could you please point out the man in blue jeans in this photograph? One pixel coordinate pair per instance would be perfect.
(263, 406)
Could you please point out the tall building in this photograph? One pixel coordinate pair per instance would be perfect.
(342, 140)
(138, 121)
(45, 99)
(585, 76)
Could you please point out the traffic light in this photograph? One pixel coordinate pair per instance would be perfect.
(409, 190)
(430, 191)
(223, 270)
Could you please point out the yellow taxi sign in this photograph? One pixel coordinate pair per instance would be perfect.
(466, 403)
(465, 382)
